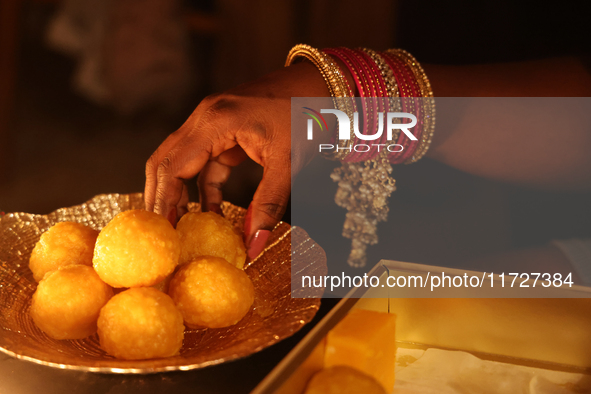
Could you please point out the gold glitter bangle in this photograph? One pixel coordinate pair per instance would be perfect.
(335, 80)
(337, 86)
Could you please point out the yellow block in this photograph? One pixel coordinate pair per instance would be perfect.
(364, 340)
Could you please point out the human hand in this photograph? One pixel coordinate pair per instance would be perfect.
(252, 120)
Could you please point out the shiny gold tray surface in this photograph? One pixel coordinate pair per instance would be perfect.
(275, 314)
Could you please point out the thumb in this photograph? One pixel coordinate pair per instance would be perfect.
(267, 207)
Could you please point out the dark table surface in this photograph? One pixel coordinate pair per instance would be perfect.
(240, 376)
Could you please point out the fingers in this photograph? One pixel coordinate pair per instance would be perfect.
(176, 167)
(211, 180)
(181, 157)
(217, 138)
(152, 169)
(157, 157)
(213, 177)
(268, 205)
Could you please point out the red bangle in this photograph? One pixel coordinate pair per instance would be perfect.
(409, 89)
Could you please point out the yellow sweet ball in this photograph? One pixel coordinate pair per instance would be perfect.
(67, 302)
(66, 243)
(136, 248)
(210, 292)
(209, 234)
(342, 379)
(141, 323)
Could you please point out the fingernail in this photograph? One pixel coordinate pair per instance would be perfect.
(257, 244)
(247, 220)
(215, 208)
(172, 216)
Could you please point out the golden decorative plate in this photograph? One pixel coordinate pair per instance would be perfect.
(275, 315)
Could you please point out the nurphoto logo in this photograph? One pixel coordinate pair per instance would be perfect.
(344, 128)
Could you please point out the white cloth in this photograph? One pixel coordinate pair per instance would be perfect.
(437, 371)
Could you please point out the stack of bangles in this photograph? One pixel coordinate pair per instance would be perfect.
(394, 90)
(389, 81)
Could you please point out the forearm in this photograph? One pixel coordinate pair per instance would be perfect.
(545, 143)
